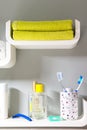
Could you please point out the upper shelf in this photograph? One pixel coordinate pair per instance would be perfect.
(52, 44)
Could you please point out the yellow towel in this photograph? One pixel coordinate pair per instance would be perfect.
(42, 25)
(27, 35)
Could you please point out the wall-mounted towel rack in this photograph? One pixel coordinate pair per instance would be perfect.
(10, 55)
(54, 44)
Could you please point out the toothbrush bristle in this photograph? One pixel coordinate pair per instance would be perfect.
(81, 77)
(80, 80)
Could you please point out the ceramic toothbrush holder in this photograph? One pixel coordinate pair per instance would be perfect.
(69, 104)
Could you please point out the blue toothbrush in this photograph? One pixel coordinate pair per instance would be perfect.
(80, 81)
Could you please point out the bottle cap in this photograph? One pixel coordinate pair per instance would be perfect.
(39, 88)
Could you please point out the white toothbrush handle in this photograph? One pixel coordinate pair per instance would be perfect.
(62, 86)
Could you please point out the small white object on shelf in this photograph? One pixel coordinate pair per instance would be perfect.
(51, 44)
(7, 55)
(3, 101)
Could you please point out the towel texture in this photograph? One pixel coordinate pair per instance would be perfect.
(27, 35)
(42, 25)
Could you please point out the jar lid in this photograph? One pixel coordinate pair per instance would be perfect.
(39, 88)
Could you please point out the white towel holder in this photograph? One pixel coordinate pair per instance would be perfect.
(54, 44)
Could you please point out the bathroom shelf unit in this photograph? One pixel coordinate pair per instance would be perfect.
(45, 123)
(10, 56)
(51, 44)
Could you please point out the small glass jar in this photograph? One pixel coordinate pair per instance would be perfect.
(38, 104)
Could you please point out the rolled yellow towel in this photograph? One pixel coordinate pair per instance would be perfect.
(43, 25)
(27, 35)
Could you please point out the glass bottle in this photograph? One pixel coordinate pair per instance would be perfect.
(39, 102)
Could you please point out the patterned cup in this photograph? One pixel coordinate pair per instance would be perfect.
(69, 104)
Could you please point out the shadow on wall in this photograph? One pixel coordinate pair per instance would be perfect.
(18, 102)
(30, 62)
(28, 66)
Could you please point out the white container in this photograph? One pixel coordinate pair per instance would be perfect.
(3, 101)
(69, 104)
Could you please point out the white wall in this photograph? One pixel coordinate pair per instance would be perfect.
(42, 65)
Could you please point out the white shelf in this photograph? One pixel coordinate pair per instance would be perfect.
(20, 122)
(10, 56)
(56, 44)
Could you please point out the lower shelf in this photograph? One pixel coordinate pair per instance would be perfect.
(20, 122)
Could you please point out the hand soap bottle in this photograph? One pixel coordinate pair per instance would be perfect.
(39, 102)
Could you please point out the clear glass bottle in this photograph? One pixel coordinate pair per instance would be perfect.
(39, 102)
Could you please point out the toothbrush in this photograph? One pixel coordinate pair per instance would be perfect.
(60, 78)
(80, 81)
